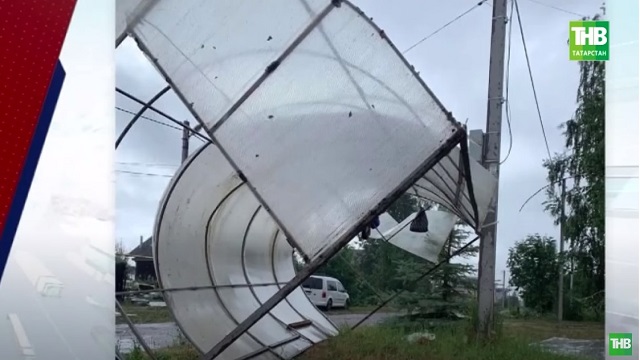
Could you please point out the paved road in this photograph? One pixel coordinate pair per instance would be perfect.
(166, 334)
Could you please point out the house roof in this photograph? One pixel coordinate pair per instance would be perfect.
(144, 249)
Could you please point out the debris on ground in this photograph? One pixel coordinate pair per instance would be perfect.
(421, 337)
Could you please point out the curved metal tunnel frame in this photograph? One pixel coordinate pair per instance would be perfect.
(443, 195)
(196, 162)
(141, 340)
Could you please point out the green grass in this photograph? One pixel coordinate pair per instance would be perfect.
(178, 352)
(145, 314)
(451, 342)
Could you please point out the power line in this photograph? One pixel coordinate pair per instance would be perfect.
(557, 8)
(533, 86)
(444, 26)
(149, 119)
(506, 98)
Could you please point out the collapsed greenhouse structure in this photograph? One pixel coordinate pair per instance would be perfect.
(315, 124)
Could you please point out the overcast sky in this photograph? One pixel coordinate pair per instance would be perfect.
(454, 63)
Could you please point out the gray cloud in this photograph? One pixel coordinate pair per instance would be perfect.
(454, 63)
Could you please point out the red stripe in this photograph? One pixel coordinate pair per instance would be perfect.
(31, 36)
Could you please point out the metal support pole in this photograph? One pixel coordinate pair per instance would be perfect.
(504, 289)
(561, 255)
(491, 160)
(185, 140)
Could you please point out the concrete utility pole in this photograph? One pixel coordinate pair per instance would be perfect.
(504, 289)
(561, 255)
(186, 134)
(491, 160)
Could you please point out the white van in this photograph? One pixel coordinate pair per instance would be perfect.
(326, 292)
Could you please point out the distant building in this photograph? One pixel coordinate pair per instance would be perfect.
(142, 255)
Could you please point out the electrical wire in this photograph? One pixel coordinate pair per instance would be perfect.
(506, 97)
(557, 8)
(533, 86)
(149, 119)
(543, 188)
(444, 26)
(165, 115)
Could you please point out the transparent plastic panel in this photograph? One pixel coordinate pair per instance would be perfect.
(204, 208)
(226, 242)
(179, 257)
(387, 222)
(339, 125)
(127, 11)
(441, 184)
(283, 263)
(427, 246)
(214, 50)
(260, 240)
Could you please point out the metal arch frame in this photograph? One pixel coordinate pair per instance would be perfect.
(163, 290)
(228, 194)
(459, 137)
(148, 106)
(144, 108)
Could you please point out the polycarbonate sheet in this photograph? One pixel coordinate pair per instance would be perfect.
(259, 241)
(181, 262)
(442, 184)
(227, 248)
(283, 265)
(214, 50)
(126, 11)
(425, 245)
(337, 127)
(207, 207)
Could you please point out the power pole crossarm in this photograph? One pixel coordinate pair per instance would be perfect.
(491, 160)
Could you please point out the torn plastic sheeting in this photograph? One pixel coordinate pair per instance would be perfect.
(426, 246)
(441, 185)
(213, 210)
(361, 117)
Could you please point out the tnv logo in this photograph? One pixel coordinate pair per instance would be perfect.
(595, 35)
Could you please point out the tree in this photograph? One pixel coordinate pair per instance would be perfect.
(533, 265)
(445, 292)
(583, 164)
(121, 269)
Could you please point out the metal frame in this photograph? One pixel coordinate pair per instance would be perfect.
(457, 138)
(144, 108)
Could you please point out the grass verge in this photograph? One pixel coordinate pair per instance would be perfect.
(145, 314)
(390, 342)
(450, 343)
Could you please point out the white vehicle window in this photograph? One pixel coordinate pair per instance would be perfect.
(331, 286)
(312, 283)
(340, 287)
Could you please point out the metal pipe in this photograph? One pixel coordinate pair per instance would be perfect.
(139, 113)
